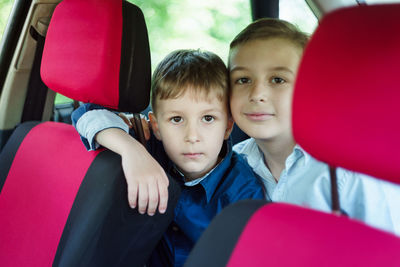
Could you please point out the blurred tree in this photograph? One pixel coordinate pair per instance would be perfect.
(5, 8)
(206, 24)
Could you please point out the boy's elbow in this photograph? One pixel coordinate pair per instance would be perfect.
(75, 117)
(77, 113)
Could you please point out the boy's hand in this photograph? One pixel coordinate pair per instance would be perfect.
(147, 182)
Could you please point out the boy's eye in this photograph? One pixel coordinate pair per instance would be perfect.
(208, 118)
(242, 80)
(277, 80)
(176, 119)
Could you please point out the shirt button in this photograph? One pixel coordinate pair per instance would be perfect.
(175, 228)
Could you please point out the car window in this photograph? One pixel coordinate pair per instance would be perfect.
(298, 13)
(205, 24)
(5, 9)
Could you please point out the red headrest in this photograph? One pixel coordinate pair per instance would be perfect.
(312, 238)
(97, 51)
(346, 104)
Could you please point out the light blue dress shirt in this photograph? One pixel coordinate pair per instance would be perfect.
(305, 181)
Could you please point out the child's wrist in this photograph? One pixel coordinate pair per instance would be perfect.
(132, 147)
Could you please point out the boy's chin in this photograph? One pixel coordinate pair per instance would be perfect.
(191, 173)
(263, 133)
(260, 135)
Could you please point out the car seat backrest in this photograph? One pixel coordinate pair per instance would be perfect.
(34, 208)
(59, 204)
(345, 104)
(252, 233)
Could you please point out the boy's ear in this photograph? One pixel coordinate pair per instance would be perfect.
(154, 125)
(229, 128)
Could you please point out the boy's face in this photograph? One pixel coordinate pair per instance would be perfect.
(192, 130)
(262, 76)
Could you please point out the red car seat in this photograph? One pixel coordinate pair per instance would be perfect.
(59, 204)
(346, 113)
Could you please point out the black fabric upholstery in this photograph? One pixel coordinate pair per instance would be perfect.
(135, 69)
(37, 91)
(264, 9)
(4, 135)
(10, 149)
(215, 246)
(102, 230)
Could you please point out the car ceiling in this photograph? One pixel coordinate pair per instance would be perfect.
(321, 7)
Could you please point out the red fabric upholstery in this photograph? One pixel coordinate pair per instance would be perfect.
(81, 57)
(286, 235)
(346, 100)
(58, 201)
(34, 208)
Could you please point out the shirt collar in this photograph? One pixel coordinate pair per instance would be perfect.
(255, 156)
(253, 153)
(299, 152)
(211, 182)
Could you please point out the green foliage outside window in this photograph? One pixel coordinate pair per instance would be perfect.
(5, 8)
(207, 24)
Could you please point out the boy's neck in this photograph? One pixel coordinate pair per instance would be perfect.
(193, 177)
(275, 154)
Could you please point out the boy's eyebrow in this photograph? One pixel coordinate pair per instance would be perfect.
(237, 68)
(286, 69)
(203, 111)
(213, 110)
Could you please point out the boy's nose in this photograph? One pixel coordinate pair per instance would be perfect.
(191, 134)
(258, 93)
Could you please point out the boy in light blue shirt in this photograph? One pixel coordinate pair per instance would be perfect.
(263, 63)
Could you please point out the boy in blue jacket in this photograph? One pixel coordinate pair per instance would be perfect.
(191, 124)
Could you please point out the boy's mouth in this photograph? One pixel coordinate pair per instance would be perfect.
(192, 155)
(258, 116)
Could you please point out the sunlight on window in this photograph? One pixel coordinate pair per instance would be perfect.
(298, 13)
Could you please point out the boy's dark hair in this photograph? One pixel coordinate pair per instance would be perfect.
(267, 28)
(183, 70)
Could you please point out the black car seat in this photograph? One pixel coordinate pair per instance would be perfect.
(59, 204)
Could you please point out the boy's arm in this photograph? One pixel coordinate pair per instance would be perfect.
(369, 199)
(146, 179)
(87, 139)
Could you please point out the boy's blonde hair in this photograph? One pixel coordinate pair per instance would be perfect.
(202, 72)
(267, 28)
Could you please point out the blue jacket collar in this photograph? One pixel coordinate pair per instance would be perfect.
(211, 182)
